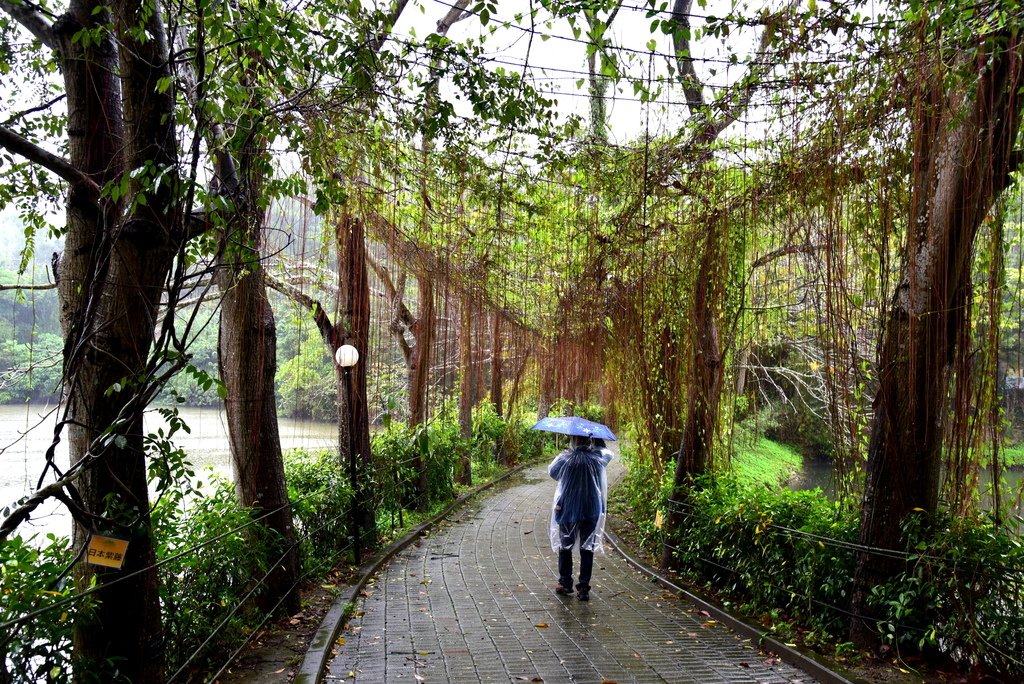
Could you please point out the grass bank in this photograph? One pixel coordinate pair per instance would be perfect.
(762, 461)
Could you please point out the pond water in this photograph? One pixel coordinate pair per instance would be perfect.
(26, 432)
(819, 474)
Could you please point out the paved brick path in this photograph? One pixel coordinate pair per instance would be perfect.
(474, 602)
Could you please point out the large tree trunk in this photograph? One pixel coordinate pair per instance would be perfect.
(354, 302)
(467, 383)
(497, 364)
(962, 156)
(419, 378)
(706, 376)
(112, 278)
(248, 363)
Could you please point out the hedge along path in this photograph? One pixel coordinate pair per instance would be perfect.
(475, 602)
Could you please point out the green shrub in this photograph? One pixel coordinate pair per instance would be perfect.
(201, 586)
(319, 490)
(765, 549)
(641, 479)
(32, 579)
(962, 593)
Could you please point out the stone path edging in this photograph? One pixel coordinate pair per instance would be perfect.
(315, 662)
(759, 636)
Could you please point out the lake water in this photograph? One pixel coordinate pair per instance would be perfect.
(819, 474)
(26, 432)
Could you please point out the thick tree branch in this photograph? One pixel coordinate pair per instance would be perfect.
(34, 22)
(692, 87)
(420, 260)
(385, 31)
(456, 14)
(327, 329)
(39, 286)
(401, 319)
(402, 313)
(696, 148)
(60, 166)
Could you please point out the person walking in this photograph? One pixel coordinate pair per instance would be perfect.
(579, 510)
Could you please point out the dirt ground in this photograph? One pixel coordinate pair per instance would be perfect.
(276, 652)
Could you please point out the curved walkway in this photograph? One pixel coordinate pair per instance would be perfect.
(474, 602)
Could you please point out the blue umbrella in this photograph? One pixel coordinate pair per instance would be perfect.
(574, 425)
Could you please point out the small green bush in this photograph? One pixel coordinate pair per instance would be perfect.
(765, 549)
(200, 587)
(962, 593)
(320, 493)
(33, 578)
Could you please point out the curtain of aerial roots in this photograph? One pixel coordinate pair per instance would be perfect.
(847, 304)
(579, 347)
(974, 428)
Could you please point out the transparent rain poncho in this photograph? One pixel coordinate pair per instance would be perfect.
(579, 508)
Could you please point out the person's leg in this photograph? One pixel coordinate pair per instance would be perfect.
(587, 528)
(568, 539)
(564, 571)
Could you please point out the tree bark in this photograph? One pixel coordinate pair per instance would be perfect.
(111, 281)
(247, 347)
(962, 156)
(419, 377)
(497, 364)
(354, 300)
(467, 383)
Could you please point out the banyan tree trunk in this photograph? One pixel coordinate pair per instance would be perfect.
(467, 383)
(962, 158)
(419, 376)
(248, 363)
(354, 314)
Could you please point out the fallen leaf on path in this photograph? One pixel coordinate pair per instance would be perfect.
(542, 624)
(279, 671)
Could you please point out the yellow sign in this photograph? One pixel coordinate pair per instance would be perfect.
(658, 520)
(107, 551)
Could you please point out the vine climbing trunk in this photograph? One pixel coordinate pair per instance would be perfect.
(964, 136)
(497, 364)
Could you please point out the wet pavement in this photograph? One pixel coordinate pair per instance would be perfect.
(474, 602)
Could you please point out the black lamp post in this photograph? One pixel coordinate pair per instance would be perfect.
(347, 356)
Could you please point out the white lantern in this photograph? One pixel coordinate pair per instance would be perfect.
(346, 356)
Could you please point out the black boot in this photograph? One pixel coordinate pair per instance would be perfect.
(583, 592)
